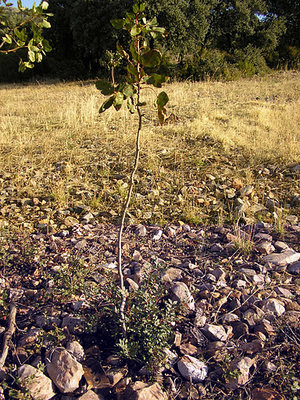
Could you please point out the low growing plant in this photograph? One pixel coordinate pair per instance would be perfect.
(150, 317)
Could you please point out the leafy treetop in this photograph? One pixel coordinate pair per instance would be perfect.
(143, 64)
(15, 35)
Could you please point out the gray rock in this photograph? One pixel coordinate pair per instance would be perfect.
(240, 368)
(182, 294)
(263, 236)
(192, 369)
(247, 271)
(81, 244)
(216, 248)
(90, 395)
(246, 190)
(38, 384)
(280, 246)
(240, 284)
(157, 235)
(259, 279)
(75, 325)
(64, 370)
(228, 318)
(265, 247)
(142, 391)
(288, 256)
(88, 218)
(71, 221)
(271, 204)
(171, 274)
(219, 273)
(141, 230)
(296, 168)
(294, 268)
(295, 201)
(76, 350)
(284, 292)
(215, 332)
(274, 306)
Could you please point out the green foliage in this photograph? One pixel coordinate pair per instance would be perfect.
(19, 252)
(143, 64)
(23, 28)
(71, 280)
(150, 316)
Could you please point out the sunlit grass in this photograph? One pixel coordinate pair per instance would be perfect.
(42, 125)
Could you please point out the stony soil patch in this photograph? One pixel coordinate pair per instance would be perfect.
(238, 339)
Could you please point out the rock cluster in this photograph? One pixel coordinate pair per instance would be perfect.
(237, 287)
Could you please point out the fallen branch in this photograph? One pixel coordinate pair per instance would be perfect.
(9, 333)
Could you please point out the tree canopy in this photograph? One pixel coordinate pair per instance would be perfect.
(204, 37)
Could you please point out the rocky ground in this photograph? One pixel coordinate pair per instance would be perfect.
(236, 337)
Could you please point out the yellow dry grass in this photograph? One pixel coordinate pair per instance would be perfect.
(44, 124)
(38, 122)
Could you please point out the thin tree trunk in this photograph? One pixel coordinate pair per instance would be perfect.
(123, 216)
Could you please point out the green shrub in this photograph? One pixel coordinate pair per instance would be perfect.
(150, 316)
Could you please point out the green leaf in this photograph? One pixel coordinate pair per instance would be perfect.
(156, 80)
(162, 100)
(135, 30)
(118, 101)
(132, 70)
(21, 35)
(31, 56)
(158, 29)
(142, 7)
(135, 8)
(117, 23)
(7, 39)
(123, 52)
(105, 87)
(46, 45)
(154, 21)
(45, 24)
(133, 51)
(108, 103)
(127, 89)
(151, 58)
(38, 57)
(28, 65)
(130, 16)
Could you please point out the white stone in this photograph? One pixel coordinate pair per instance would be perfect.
(64, 370)
(215, 332)
(157, 235)
(192, 369)
(274, 306)
(288, 256)
(76, 350)
(38, 384)
(242, 367)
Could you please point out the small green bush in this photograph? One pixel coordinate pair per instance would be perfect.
(150, 316)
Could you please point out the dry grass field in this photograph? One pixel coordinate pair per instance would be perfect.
(57, 152)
